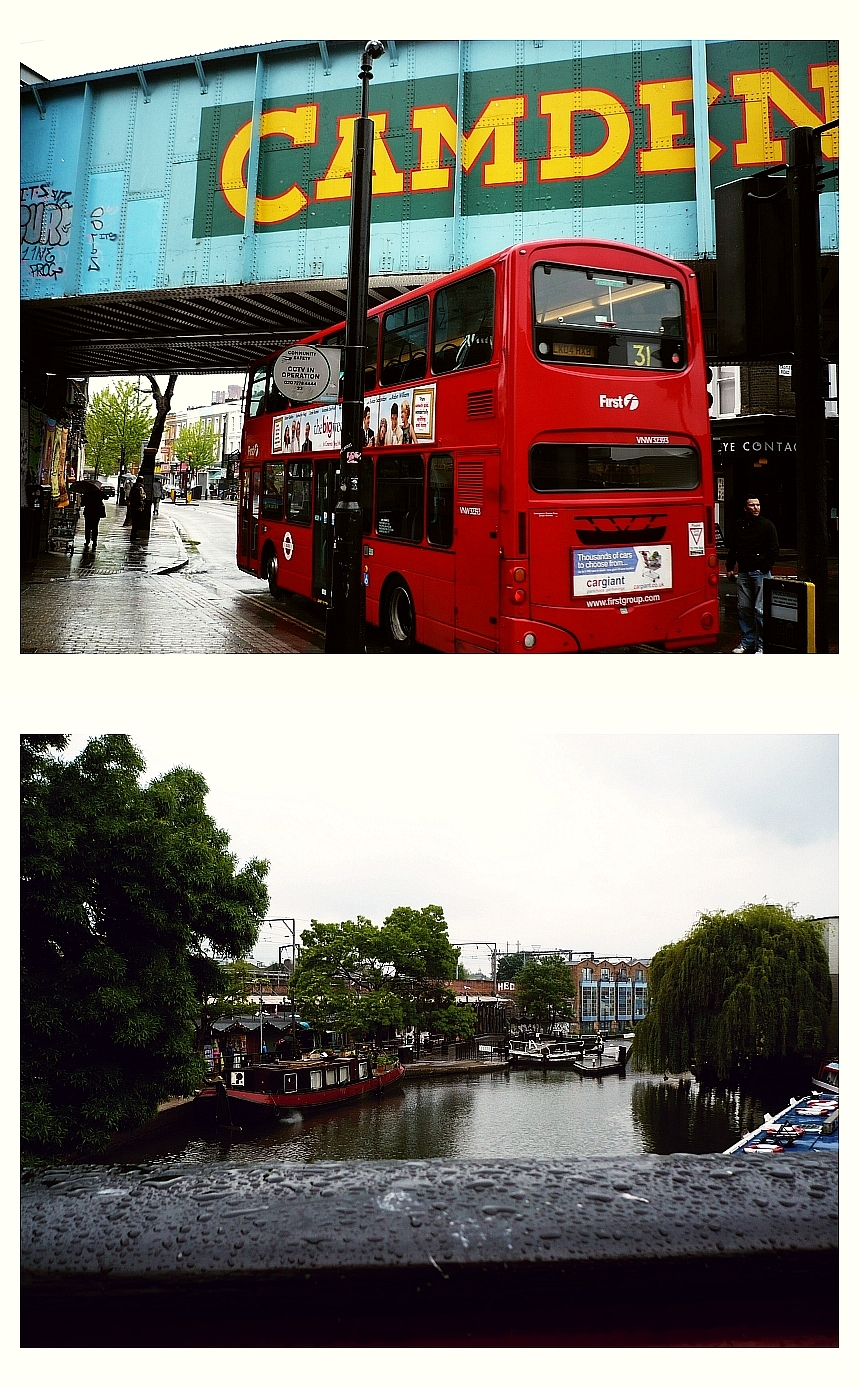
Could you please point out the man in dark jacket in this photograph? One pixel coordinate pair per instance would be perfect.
(753, 551)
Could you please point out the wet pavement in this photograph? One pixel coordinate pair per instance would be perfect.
(179, 592)
(159, 595)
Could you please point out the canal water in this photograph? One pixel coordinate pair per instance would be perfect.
(520, 1113)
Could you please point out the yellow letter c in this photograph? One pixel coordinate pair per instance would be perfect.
(300, 126)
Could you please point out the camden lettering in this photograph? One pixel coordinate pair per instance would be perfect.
(554, 144)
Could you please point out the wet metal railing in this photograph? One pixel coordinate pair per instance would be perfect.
(681, 1250)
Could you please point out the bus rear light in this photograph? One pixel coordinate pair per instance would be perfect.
(713, 579)
(530, 641)
(707, 620)
(713, 561)
(518, 575)
(519, 595)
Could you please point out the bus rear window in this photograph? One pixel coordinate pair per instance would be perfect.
(607, 318)
(589, 467)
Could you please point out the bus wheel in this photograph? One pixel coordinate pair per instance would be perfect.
(271, 574)
(398, 616)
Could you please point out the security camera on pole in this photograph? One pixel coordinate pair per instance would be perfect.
(344, 627)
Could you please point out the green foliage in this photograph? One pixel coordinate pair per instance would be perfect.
(127, 891)
(509, 966)
(197, 444)
(743, 986)
(544, 990)
(118, 422)
(365, 980)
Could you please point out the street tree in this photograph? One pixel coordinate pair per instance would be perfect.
(197, 444)
(366, 980)
(163, 400)
(544, 990)
(118, 423)
(130, 900)
(742, 987)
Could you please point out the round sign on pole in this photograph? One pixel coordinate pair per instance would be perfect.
(304, 373)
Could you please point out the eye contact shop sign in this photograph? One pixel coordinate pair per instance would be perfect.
(627, 569)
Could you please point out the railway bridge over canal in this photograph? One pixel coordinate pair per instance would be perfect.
(142, 248)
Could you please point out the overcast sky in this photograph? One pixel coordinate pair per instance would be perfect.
(62, 40)
(602, 842)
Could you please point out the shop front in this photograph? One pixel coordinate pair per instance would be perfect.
(756, 455)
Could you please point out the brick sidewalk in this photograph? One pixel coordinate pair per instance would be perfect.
(161, 551)
(140, 599)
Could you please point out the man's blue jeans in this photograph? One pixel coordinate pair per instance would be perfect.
(750, 608)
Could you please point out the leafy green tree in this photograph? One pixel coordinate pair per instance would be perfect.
(365, 980)
(544, 990)
(196, 443)
(509, 966)
(118, 423)
(742, 986)
(130, 898)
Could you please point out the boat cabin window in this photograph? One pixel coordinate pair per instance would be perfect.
(362, 1069)
(290, 1083)
(316, 1079)
(344, 1074)
(331, 1075)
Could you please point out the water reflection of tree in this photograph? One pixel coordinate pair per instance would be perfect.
(680, 1117)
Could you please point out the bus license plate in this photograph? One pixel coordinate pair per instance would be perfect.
(572, 349)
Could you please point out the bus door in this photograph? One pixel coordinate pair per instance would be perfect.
(323, 487)
(477, 549)
(249, 503)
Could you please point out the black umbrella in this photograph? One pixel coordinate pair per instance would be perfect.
(84, 487)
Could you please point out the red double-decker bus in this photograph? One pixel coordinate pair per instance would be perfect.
(537, 472)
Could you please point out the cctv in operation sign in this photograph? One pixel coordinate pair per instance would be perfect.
(308, 373)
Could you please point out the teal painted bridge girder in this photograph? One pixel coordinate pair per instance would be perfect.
(134, 182)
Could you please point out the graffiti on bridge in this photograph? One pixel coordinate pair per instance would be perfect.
(46, 220)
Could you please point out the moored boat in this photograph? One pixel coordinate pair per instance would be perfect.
(545, 1054)
(827, 1080)
(806, 1125)
(316, 1081)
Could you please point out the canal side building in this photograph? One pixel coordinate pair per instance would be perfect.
(608, 994)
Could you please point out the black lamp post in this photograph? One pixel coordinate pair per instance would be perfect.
(344, 626)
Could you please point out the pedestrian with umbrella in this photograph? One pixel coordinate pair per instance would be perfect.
(92, 505)
(136, 513)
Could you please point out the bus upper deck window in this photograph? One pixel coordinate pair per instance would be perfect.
(607, 318)
(463, 320)
(257, 392)
(404, 343)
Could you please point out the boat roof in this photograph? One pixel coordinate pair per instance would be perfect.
(798, 1128)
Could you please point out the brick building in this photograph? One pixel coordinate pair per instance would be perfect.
(608, 994)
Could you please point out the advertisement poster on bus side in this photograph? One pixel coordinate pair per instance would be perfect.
(626, 569)
(397, 417)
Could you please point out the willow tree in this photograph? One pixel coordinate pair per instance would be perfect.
(743, 986)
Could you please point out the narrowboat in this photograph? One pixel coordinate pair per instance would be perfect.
(317, 1081)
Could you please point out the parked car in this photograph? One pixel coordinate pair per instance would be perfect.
(106, 489)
